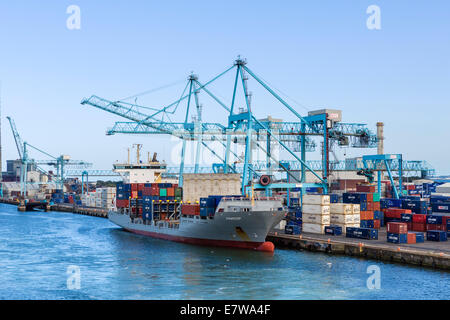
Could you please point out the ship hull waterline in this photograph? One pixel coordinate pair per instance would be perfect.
(249, 232)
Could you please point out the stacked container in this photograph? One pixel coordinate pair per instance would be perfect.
(149, 200)
(344, 215)
(315, 213)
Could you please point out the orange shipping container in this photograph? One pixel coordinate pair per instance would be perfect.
(376, 206)
(170, 192)
(366, 215)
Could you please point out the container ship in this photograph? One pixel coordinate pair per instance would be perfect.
(166, 211)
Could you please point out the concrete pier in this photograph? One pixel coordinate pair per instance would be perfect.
(88, 211)
(428, 254)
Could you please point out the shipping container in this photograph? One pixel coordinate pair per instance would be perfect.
(434, 219)
(333, 230)
(422, 227)
(315, 209)
(397, 227)
(316, 199)
(316, 218)
(356, 198)
(436, 236)
(313, 228)
(397, 237)
(292, 229)
(390, 203)
(341, 208)
(361, 233)
(443, 207)
(367, 224)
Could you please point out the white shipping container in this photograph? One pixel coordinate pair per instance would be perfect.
(341, 208)
(341, 218)
(281, 225)
(321, 199)
(356, 208)
(315, 209)
(443, 188)
(313, 228)
(356, 219)
(316, 218)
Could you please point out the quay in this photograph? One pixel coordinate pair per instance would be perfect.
(428, 254)
(88, 211)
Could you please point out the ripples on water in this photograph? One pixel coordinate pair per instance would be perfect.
(37, 247)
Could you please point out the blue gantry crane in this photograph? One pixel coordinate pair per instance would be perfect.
(242, 126)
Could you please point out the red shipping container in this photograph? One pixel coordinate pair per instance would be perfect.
(122, 203)
(141, 186)
(365, 188)
(410, 187)
(411, 238)
(419, 218)
(369, 206)
(422, 227)
(190, 209)
(154, 191)
(134, 187)
(409, 226)
(444, 220)
(147, 191)
(437, 227)
(395, 213)
(376, 224)
(140, 210)
(397, 227)
(369, 197)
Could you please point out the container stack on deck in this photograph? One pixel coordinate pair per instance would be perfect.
(149, 200)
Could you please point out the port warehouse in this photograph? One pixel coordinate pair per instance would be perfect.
(352, 198)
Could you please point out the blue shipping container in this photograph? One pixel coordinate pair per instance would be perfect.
(207, 202)
(378, 215)
(441, 207)
(333, 230)
(390, 203)
(292, 229)
(367, 224)
(432, 219)
(406, 217)
(334, 198)
(205, 212)
(361, 233)
(420, 237)
(397, 238)
(416, 206)
(216, 199)
(436, 235)
(354, 198)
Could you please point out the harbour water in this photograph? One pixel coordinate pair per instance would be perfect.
(38, 248)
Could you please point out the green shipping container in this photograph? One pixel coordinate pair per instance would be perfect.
(177, 192)
(163, 192)
(376, 197)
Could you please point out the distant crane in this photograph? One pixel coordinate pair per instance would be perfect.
(58, 162)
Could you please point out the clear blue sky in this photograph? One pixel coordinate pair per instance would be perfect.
(319, 53)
